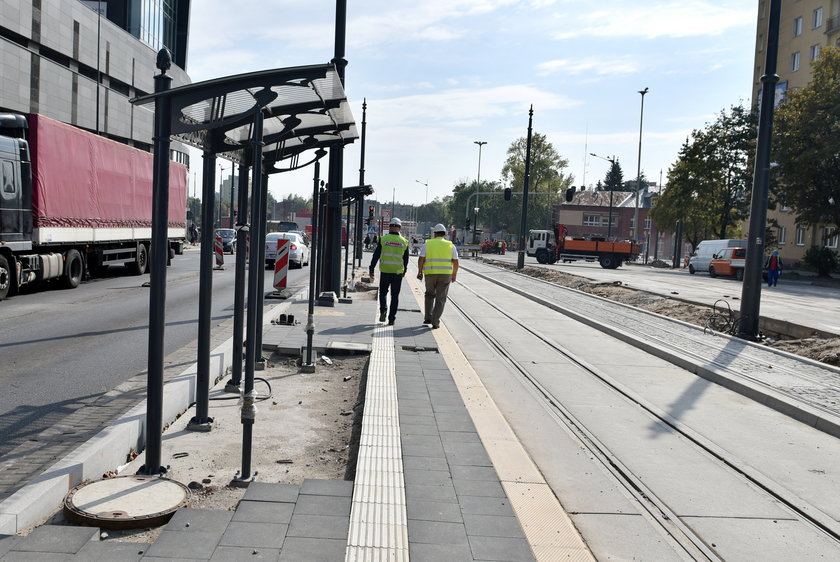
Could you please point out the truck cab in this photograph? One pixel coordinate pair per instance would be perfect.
(539, 239)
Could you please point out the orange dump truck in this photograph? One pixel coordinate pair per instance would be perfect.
(552, 246)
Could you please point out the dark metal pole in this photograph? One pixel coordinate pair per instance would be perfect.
(751, 288)
(249, 410)
(261, 225)
(361, 202)
(520, 258)
(639, 170)
(201, 421)
(159, 255)
(321, 239)
(678, 234)
(309, 364)
(332, 256)
(242, 231)
(347, 251)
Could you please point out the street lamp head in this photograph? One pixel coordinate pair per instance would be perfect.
(480, 143)
(643, 92)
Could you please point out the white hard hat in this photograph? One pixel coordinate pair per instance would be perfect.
(439, 228)
(395, 222)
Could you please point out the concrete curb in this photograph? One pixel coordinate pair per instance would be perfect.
(109, 449)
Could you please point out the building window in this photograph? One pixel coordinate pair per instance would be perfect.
(818, 18)
(830, 237)
(647, 223)
(591, 220)
(800, 236)
(794, 62)
(797, 26)
(608, 220)
(815, 52)
(781, 235)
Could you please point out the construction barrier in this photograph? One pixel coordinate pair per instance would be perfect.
(281, 264)
(220, 254)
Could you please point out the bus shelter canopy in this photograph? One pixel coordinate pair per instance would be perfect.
(303, 107)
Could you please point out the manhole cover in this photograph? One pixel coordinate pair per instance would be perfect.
(125, 502)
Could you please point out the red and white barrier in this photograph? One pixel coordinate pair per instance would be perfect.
(220, 254)
(281, 264)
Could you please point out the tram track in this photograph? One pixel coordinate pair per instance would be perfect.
(680, 535)
(778, 374)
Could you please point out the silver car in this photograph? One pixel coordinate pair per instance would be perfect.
(298, 250)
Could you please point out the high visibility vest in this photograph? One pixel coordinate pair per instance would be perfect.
(438, 257)
(391, 258)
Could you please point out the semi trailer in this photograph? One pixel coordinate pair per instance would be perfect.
(72, 203)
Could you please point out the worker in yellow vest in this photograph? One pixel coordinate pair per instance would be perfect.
(439, 263)
(392, 255)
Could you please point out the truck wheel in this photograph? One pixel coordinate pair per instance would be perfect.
(739, 275)
(5, 278)
(138, 266)
(72, 269)
(712, 271)
(608, 261)
(542, 255)
(691, 269)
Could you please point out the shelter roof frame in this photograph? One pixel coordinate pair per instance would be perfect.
(303, 107)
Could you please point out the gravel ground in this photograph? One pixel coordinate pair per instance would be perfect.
(825, 350)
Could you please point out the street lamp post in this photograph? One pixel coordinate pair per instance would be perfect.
(426, 183)
(639, 170)
(477, 189)
(609, 220)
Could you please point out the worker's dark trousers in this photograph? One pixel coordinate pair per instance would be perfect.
(390, 282)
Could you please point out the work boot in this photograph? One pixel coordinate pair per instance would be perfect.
(427, 320)
(382, 316)
(390, 322)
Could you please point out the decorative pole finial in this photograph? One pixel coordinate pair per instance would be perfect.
(164, 60)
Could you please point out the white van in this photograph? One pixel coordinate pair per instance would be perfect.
(705, 251)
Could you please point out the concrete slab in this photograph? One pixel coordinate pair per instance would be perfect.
(244, 554)
(263, 512)
(271, 492)
(178, 544)
(327, 487)
(56, 539)
(112, 551)
(300, 549)
(436, 532)
(500, 548)
(255, 535)
(200, 520)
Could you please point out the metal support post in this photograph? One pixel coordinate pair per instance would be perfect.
(159, 255)
(308, 365)
(751, 287)
(520, 257)
(249, 409)
(201, 421)
(242, 231)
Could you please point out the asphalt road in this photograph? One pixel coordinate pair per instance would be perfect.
(794, 301)
(61, 349)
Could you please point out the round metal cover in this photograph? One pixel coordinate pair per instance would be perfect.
(125, 502)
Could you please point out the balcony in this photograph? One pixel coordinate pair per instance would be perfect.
(832, 25)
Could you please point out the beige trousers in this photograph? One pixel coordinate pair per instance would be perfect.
(437, 288)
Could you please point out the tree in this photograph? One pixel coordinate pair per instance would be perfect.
(806, 145)
(546, 177)
(614, 180)
(709, 185)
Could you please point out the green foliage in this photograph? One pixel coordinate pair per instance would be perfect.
(709, 186)
(806, 145)
(614, 181)
(823, 260)
(547, 181)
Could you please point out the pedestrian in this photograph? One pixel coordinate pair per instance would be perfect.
(193, 233)
(367, 241)
(774, 269)
(392, 255)
(439, 263)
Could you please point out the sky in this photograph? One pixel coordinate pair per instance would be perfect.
(439, 75)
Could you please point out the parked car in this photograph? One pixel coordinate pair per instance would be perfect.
(706, 250)
(228, 239)
(298, 251)
(729, 262)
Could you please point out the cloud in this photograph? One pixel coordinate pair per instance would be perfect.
(689, 18)
(599, 66)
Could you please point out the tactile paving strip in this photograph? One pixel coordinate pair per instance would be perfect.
(378, 522)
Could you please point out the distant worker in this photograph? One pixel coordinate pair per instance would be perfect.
(439, 263)
(774, 269)
(392, 255)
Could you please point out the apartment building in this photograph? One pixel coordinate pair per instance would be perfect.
(806, 27)
(81, 61)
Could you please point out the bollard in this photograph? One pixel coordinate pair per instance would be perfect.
(220, 254)
(281, 264)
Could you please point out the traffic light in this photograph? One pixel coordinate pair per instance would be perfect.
(369, 219)
(508, 193)
(468, 224)
(570, 194)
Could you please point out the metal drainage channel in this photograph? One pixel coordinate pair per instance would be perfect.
(125, 502)
(657, 509)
